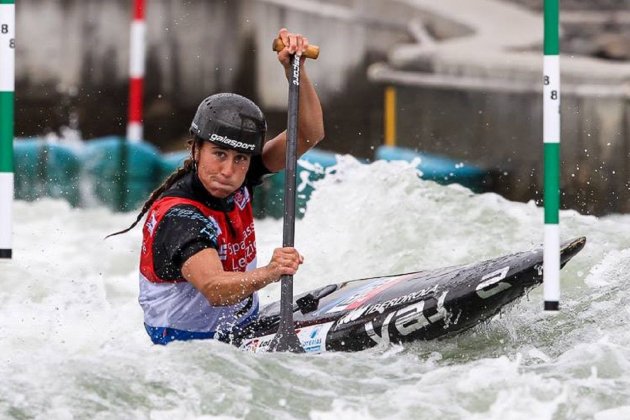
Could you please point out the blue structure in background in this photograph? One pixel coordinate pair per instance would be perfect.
(123, 174)
(171, 162)
(269, 197)
(45, 169)
(438, 168)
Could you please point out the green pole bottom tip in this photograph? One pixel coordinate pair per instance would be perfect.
(552, 305)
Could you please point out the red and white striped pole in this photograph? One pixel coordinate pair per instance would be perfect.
(136, 72)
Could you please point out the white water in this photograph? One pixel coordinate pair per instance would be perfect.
(72, 343)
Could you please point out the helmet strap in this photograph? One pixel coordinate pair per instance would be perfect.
(193, 157)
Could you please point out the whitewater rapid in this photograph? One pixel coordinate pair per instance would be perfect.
(72, 344)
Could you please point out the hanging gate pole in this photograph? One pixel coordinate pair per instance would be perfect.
(136, 72)
(551, 139)
(7, 95)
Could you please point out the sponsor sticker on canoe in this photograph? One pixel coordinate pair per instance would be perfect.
(258, 344)
(358, 296)
(407, 320)
(381, 307)
(312, 339)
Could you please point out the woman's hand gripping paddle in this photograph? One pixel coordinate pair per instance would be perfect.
(286, 339)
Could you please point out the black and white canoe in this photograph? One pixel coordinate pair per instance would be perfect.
(422, 305)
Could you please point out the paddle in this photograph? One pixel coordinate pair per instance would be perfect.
(286, 339)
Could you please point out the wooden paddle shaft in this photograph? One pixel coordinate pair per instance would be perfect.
(312, 51)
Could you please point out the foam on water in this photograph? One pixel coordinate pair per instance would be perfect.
(73, 345)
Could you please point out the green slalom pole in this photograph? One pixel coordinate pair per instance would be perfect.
(551, 138)
(7, 94)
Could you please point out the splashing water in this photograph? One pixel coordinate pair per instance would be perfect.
(73, 345)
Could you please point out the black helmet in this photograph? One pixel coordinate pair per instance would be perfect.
(230, 120)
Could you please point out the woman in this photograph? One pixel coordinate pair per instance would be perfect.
(198, 274)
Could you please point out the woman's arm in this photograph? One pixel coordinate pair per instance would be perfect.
(311, 120)
(223, 288)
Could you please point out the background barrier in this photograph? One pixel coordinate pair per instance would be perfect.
(121, 174)
(439, 168)
(269, 197)
(44, 169)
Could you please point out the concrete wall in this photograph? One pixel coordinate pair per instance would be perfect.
(502, 131)
(72, 56)
(468, 74)
(479, 98)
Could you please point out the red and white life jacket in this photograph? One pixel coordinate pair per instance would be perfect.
(177, 303)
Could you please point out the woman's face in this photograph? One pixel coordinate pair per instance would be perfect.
(221, 171)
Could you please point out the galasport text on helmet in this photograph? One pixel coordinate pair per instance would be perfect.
(231, 121)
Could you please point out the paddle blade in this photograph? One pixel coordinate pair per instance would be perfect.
(286, 340)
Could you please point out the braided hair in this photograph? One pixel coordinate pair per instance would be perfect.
(189, 165)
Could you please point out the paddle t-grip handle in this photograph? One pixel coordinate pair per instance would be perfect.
(312, 51)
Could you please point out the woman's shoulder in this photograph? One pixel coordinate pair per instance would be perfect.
(256, 172)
